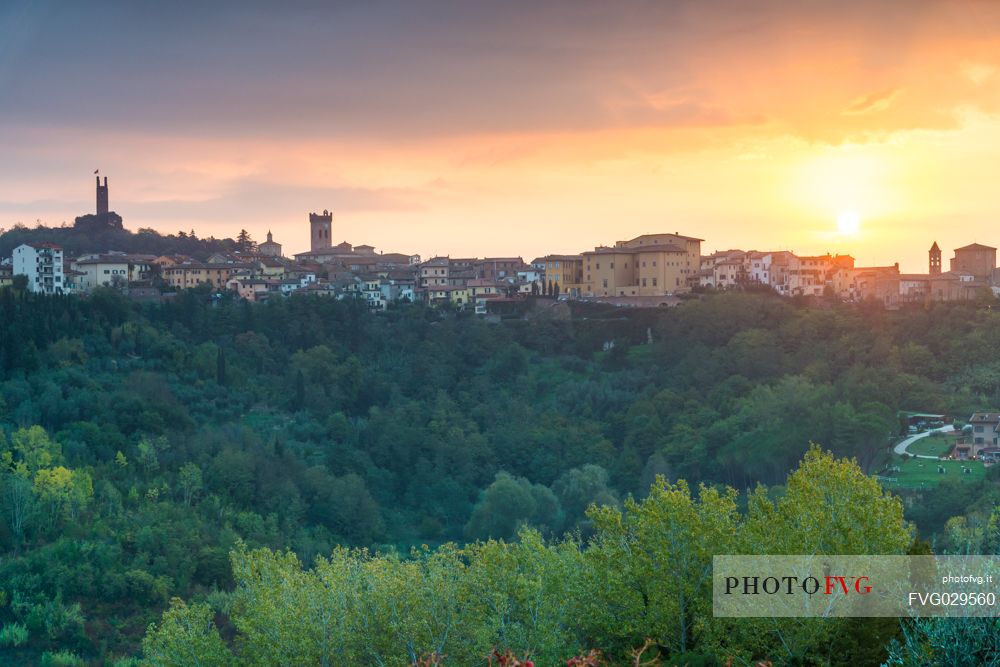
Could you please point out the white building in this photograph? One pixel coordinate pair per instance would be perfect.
(101, 272)
(42, 263)
(759, 267)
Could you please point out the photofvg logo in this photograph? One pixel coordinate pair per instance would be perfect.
(792, 585)
(872, 586)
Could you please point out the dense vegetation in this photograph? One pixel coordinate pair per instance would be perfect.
(99, 236)
(143, 447)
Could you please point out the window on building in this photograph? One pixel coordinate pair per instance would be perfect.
(643, 282)
(654, 282)
(612, 265)
(605, 282)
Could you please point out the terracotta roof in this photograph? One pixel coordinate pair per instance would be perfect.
(117, 259)
(605, 250)
(623, 250)
(678, 236)
(396, 257)
(862, 269)
(661, 247)
(975, 246)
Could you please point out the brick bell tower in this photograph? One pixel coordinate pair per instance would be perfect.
(102, 196)
(320, 225)
(934, 257)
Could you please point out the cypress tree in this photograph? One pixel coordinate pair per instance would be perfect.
(220, 367)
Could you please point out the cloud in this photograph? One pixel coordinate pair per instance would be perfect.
(978, 73)
(259, 199)
(397, 71)
(418, 119)
(871, 103)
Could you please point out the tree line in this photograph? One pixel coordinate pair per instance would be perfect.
(146, 443)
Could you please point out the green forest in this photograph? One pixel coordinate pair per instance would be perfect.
(302, 482)
(95, 234)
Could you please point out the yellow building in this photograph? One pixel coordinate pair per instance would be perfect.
(182, 276)
(271, 267)
(648, 265)
(566, 271)
(482, 287)
(454, 294)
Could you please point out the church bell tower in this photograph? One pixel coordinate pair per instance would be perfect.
(934, 257)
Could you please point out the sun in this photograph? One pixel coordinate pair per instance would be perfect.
(848, 222)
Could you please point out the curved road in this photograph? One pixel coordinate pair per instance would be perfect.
(901, 447)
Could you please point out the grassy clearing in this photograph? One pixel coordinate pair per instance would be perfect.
(923, 473)
(932, 445)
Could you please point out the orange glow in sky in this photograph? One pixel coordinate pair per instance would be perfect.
(840, 127)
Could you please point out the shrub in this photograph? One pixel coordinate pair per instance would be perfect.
(126, 662)
(61, 659)
(13, 634)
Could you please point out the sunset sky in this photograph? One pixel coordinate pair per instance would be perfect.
(512, 128)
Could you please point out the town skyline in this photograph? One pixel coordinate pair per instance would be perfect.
(450, 129)
(300, 229)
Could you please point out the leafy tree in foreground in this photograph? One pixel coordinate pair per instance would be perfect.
(643, 580)
(185, 637)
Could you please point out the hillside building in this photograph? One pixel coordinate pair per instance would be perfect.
(648, 265)
(42, 264)
(269, 248)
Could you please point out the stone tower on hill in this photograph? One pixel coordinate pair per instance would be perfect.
(320, 225)
(102, 196)
(104, 218)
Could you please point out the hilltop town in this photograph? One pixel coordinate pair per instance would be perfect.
(649, 270)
